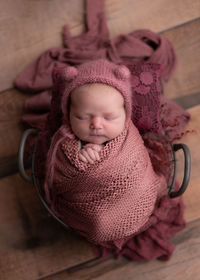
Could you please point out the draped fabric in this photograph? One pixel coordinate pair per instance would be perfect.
(140, 45)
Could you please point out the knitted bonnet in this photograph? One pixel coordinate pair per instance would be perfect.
(97, 71)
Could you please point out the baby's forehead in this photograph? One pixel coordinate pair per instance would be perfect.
(94, 90)
(93, 86)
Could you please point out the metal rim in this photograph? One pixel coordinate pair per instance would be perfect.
(187, 170)
(21, 168)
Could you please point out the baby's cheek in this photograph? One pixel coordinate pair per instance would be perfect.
(78, 128)
(117, 128)
(84, 126)
(79, 124)
(83, 129)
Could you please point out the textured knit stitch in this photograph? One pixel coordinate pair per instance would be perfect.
(111, 199)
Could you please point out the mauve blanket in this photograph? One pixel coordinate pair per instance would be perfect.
(141, 45)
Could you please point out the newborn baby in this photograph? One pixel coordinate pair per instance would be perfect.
(99, 177)
(97, 115)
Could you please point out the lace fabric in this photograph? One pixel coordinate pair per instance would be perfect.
(146, 86)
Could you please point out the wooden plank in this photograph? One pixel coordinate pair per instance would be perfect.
(184, 263)
(11, 106)
(37, 25)
(159, 16)
(8, 166)
(89, 270)
(30, 30)
(33, 244)
(188, 101)
(192, 194)
(186, 41)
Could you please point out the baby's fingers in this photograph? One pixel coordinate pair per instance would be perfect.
(92, 154)
(84, 154)
(97, 157)
(97, 147)
(82, 158)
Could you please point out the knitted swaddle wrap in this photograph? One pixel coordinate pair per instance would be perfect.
(111, 199)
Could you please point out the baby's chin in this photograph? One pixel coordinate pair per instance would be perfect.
(96, 139)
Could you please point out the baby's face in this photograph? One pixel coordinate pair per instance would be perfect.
(97, 113)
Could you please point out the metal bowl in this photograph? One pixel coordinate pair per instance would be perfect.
(171, 183)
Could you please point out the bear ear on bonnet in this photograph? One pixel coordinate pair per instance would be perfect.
(122, 73)
(69, 73)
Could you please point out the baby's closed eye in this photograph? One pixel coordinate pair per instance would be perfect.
(111, 117)
(82, 117)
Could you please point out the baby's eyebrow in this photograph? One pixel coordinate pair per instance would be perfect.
(110, 113)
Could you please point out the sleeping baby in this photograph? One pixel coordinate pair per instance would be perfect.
(97, 115)
(99, 177)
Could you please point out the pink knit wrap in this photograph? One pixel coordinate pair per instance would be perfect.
(111, 199)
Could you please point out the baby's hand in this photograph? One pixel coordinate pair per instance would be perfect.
(90, 153)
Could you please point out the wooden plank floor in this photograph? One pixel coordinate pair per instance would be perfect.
(32, 245)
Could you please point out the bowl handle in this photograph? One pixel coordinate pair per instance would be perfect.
(21, 154)
(187, 169)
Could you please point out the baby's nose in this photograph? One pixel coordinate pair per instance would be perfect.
(96, 123)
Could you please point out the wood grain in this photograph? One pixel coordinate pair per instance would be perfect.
(37, 25)
(184, 263)
(32, 244)
(30, 30)
(192, 139)
(8, 166)
(188, 101)
(11, 106)
(128, 15)
(186, 41)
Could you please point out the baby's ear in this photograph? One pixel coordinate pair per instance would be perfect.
(122, 72)
(69, 73)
